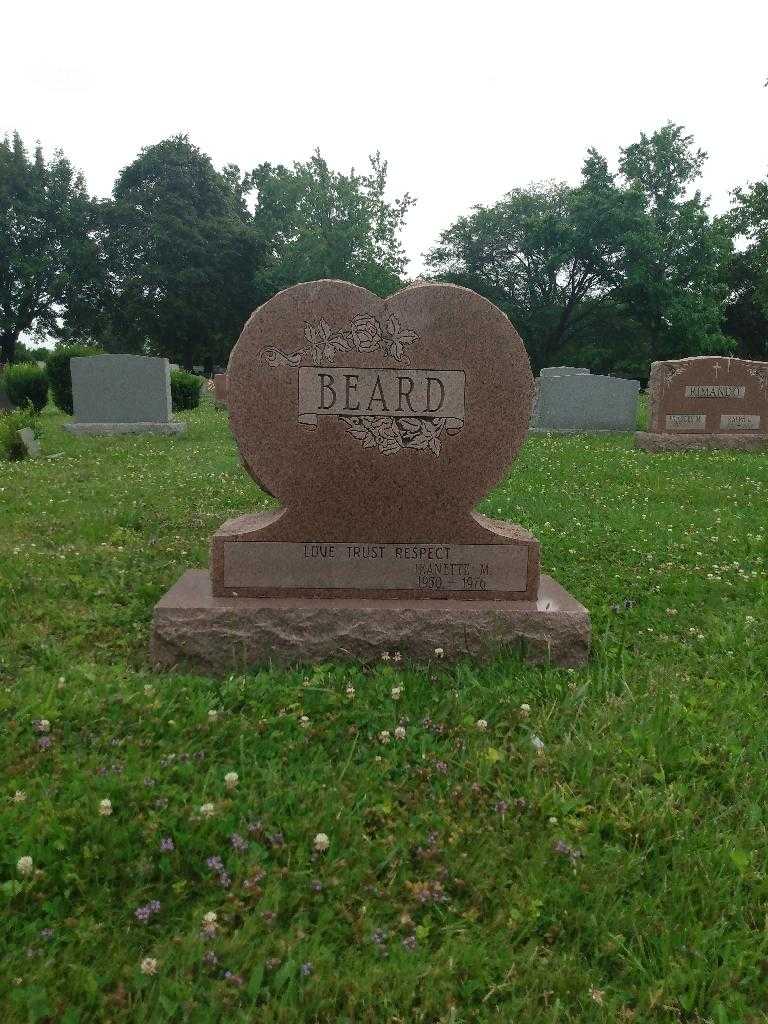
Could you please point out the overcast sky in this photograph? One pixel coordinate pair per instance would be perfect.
(465, 100)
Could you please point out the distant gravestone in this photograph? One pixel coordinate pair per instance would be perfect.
(29, 442)
(572, 400)
(121, 394)
(707, 402)
(220, 390)
(379, 424)
(563, 371)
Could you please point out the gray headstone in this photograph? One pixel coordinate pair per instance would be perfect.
(30, 442)
(121, 389)
(562, 371)
(585, 402)
(5, 403)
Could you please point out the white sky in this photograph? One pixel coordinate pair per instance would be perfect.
(465, 100)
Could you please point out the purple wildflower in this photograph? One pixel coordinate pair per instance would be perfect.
(501, 807)
(143, 914)
(154, 906)
(224, 880)
(255, 828)
(306, 969)
(276, 839)
(379, 937)
(209, 958)
(237, 842)
(316, 885)
(215, 863)
(409, 943)
(442, 767)
(166, 845)
(44, 742)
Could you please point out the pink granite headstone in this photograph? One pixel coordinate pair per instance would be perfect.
(707, 402)
(378, 424)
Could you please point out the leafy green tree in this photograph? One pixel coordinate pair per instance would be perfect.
(549, 255)
(45, 242)
(747, 312)
(314, 223)
(615, 272)
(179, 250)
(675, 283)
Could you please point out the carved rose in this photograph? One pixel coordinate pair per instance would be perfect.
(366, 333)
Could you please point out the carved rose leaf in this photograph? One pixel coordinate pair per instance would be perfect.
(274, 357)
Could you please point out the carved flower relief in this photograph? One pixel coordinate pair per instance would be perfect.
(388, 434)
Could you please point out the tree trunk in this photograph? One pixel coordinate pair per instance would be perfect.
(8, 347)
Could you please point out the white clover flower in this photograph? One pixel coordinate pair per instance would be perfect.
(396, 692)
(105, 807)
(481, 725)
(210, 918)
(400, 732)
(148, 965)
(231, 779)
(397, 656)
(525, 710)
(304, 722)
(552, 820)
(43, 725)
(213, 715)
(350, 691)
(384, 736)
(385, 655)
(537, 743)
(207, 810)
(321, 842)
(25, 866)
(439, 652)
(19, 796)
(149, 689)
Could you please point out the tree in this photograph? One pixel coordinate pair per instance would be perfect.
(317, 223)
(747, 312)
(615, 272)
(44, 241)
(180, 251)
(549, 255)
(675, 283)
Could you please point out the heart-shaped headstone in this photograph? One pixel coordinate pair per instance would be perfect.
(378, 424)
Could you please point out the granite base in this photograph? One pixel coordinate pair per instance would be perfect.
(221, 634)
(93, 429)
(650, 442)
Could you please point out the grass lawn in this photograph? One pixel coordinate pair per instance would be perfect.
(616, 873)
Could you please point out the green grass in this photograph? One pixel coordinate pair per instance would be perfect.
(654, 765)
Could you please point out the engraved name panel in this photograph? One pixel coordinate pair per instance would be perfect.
(714, 391)
(686, 421)
(344, 566)
(384, 391)
(736, 421)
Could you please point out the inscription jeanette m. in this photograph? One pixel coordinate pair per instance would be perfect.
(380, 391)
(345, 566)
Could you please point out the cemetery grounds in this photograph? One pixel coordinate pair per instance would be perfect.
(505, 842)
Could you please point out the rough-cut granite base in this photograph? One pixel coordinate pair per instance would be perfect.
(217, 635)
(650, 442)
(88, 429)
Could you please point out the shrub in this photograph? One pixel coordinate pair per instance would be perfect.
(26, 383)
(10, 423)
(185, 390)
(60, 376)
